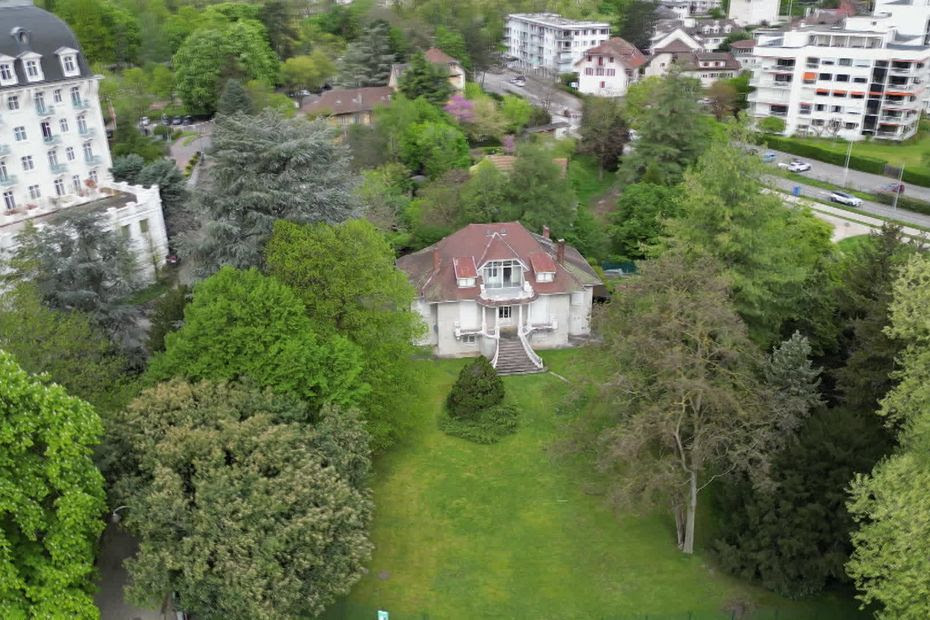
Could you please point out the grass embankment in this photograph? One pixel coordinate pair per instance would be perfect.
(506, 531)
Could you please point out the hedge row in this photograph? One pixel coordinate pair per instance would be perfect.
(804, 149)
(856, 162)
(904, 202)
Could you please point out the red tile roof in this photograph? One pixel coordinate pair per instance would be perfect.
(542, 262)
(625, 52)
(465, 267)
(349, 100)
(438, 57)
(484, 242)
(744, 44)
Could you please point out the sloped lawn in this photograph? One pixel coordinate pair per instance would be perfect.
(504, 531)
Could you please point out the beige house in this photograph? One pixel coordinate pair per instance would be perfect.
(437, 57)
(348, 106)
(500, 291)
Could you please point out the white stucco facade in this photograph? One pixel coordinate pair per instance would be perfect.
(754, 12)
(549, 41)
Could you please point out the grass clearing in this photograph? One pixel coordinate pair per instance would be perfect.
(851, 244)
(505, 531)
(586, 180)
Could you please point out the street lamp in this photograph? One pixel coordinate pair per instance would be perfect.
(846, 168)
(114, 516)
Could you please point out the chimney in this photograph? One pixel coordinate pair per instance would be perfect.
(560, 251)
(436, 259)
(545, 232)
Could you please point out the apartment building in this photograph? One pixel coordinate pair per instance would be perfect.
(754, 12)
(860, 78)
(687, 8)
(53, 144)
(551, 42)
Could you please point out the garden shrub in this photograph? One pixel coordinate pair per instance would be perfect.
(477, 388)
(904, 202)
(490, 425)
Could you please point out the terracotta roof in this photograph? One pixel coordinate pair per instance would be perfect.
(484, 242)
(745, 44)
(542, 262)
(626, 53)
(465, 267)
(438, 57)
(349, 100)
(675, 47)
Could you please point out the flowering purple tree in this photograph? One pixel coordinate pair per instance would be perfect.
(461, 109)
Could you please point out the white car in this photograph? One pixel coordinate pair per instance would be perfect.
(845, 199)
(798, 166)
(518, 81)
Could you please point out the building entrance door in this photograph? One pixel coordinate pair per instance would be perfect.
(505, 320)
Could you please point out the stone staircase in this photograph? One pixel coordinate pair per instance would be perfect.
(512, 358)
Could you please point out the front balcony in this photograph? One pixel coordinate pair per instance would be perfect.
(80, 104)
(87, 132)
(51, 139)
(7, 180)
(59, 168)
(4, 150)
(93, 160)
(45, 110)
(508, 293)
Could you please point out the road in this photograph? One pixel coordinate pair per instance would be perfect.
(540, 92)
(874, 208)
(862, 181)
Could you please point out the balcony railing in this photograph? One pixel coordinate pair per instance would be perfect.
(45, 110)
(87, 132)
(8, 179)
(80, 104)
(93, 160)
(4, 150)
(59, 168)
(53, 139)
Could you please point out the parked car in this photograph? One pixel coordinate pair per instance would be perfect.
(518, 81)
(892, 188)
(795, 166)
(177, 120)
(769, 156)
(188, 120)
(845, 199)
(144, 121)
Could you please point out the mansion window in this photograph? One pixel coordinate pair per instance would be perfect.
(82, 124)
(4, 175)
(34, 192)
(63, 125)
(56, 95)
(53, 158)
(76, 182)
(6, 72)
(69, 65)
(76, 95)
(93, 176)
(32, 70)
(88, 151)
(504, 312)
(12, 102)
(503, 274)
(8, 201)
(60, 187)
(20, 134)
(27, 162)
(69, 153)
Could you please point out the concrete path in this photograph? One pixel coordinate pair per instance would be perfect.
(115, 546)
(184, 148)
(862, 181)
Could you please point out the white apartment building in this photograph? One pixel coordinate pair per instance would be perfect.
(549, 41)
(686, 8)
(53, 144)
(861, 78)
(754, 12)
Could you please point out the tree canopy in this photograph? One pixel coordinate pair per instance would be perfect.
(243, 325)
(267, 168)
(424, 79)
(346, 278)
(51, 498)
(242, 504)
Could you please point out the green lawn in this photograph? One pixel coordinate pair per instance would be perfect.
(506, 531)
(909, 153)
(585, 179)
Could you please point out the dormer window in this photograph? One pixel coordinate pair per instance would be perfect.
(32, 67)
(69, 65)
(466, 273)
(543, 266)
(503, 274)
(68, 58)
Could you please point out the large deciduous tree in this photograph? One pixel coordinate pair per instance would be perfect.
(725, 213)
(684, 394)
(638, 223)
(346, 278)
(74, 352)
(243, 325)
(603, 132)
(434, 148)
(51, 498)
(309, 71)
(108, 33)
(211, 55)
(267, 168)
(243, 504)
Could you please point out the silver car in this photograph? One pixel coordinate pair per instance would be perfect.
(845, 199)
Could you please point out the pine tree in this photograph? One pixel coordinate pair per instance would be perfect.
(477, 388)
(234, 98)
(424, 79)
(265, 168)
(368, 59)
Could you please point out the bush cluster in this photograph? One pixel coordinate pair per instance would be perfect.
(904, 202)
(475, 408)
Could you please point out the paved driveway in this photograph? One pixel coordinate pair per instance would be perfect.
(862, 181)
(539, 92)
(115, 546)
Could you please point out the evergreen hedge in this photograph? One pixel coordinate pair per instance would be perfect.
(804, 149)
(477, 388)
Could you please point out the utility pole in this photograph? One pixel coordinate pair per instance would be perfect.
(897, 190)
(846, 168)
